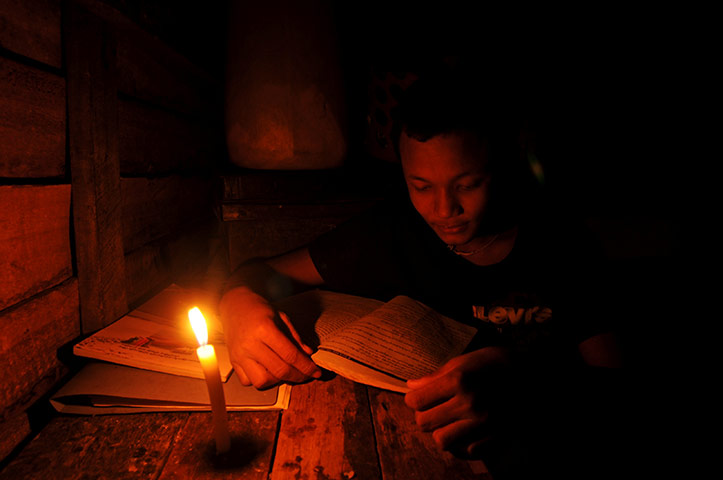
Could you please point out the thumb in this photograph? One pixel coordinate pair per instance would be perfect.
(427, 379)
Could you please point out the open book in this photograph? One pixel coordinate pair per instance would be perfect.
(372, 342)
(152, 363)
(157, 336)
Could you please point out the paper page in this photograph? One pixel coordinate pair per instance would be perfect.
(316, 314)
(403, 338)
(151, 345)
(107, 388)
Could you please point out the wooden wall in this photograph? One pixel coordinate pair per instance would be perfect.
(108, 143)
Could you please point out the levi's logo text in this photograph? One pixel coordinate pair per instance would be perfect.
(501, 315)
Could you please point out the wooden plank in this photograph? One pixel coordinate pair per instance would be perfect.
(252, 446)
(31, 335)
(248, 211)
(93, 130)
(32, 29)
(17, 427)
(265, 237)
(326, 433)
(154, 141)
(34, 240)
(157, 264)
(299, 186)
(121, 447)
(341, 185)
(155, 207)
(150, 70)
(396, 432)
(32, 121)
(146, 272)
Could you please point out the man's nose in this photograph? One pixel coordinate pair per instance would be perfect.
(446, 205)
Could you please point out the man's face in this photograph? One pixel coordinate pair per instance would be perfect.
(448, 183)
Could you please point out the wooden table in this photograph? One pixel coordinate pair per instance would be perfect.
(333, 429)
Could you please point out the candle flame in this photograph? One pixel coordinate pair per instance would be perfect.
(198, 324)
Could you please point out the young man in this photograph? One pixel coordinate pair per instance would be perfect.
(470, 241)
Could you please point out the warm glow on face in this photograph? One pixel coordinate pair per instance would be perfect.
(448, 183)
(198, 324)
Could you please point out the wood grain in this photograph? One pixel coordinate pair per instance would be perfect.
(93, 129)
(397, 432)
(156, 207)
(326, 433)
(252, 446)
(113, 446)
(155, 141)
(34, 240)
(17, 427)
(155, 265)
(32, 29)
(150, 70)
(30, 335)
(32, 121)
(254, 211)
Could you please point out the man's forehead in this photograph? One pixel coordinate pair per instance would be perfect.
(448, 151)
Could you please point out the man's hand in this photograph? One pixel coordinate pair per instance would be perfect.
(457, 401)
(261, 353)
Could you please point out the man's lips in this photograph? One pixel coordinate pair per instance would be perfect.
(451, 228)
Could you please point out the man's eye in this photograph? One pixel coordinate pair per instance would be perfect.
(468, 187)
(421, 188)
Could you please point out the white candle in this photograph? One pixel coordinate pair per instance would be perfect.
(209, 364)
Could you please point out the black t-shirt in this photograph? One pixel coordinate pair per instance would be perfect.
(543, 298)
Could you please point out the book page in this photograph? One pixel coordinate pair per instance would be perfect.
(403, 338)
(317, 314)
(159, 340)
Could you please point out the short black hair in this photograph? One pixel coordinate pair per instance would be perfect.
(447, 101)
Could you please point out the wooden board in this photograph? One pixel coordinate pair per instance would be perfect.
(157, 264)
(257, 211)
(266, 238)
(326, 433)
(17, 427)
(114, 446)
(150, 70)
(396, 431)
(252, 447)
(34, 240)
(156, 207)
(155, 141)
(342, 185)
(30, 336)
(32, 29)
(32, 121)
(93, 142)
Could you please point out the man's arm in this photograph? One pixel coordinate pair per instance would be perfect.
(260, 351)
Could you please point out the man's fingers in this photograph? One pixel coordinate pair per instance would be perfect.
(435, 392)
(281, 368)
(457, 408)
(458, 435)
(289, 354)
(243, 378)
(257, 375)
